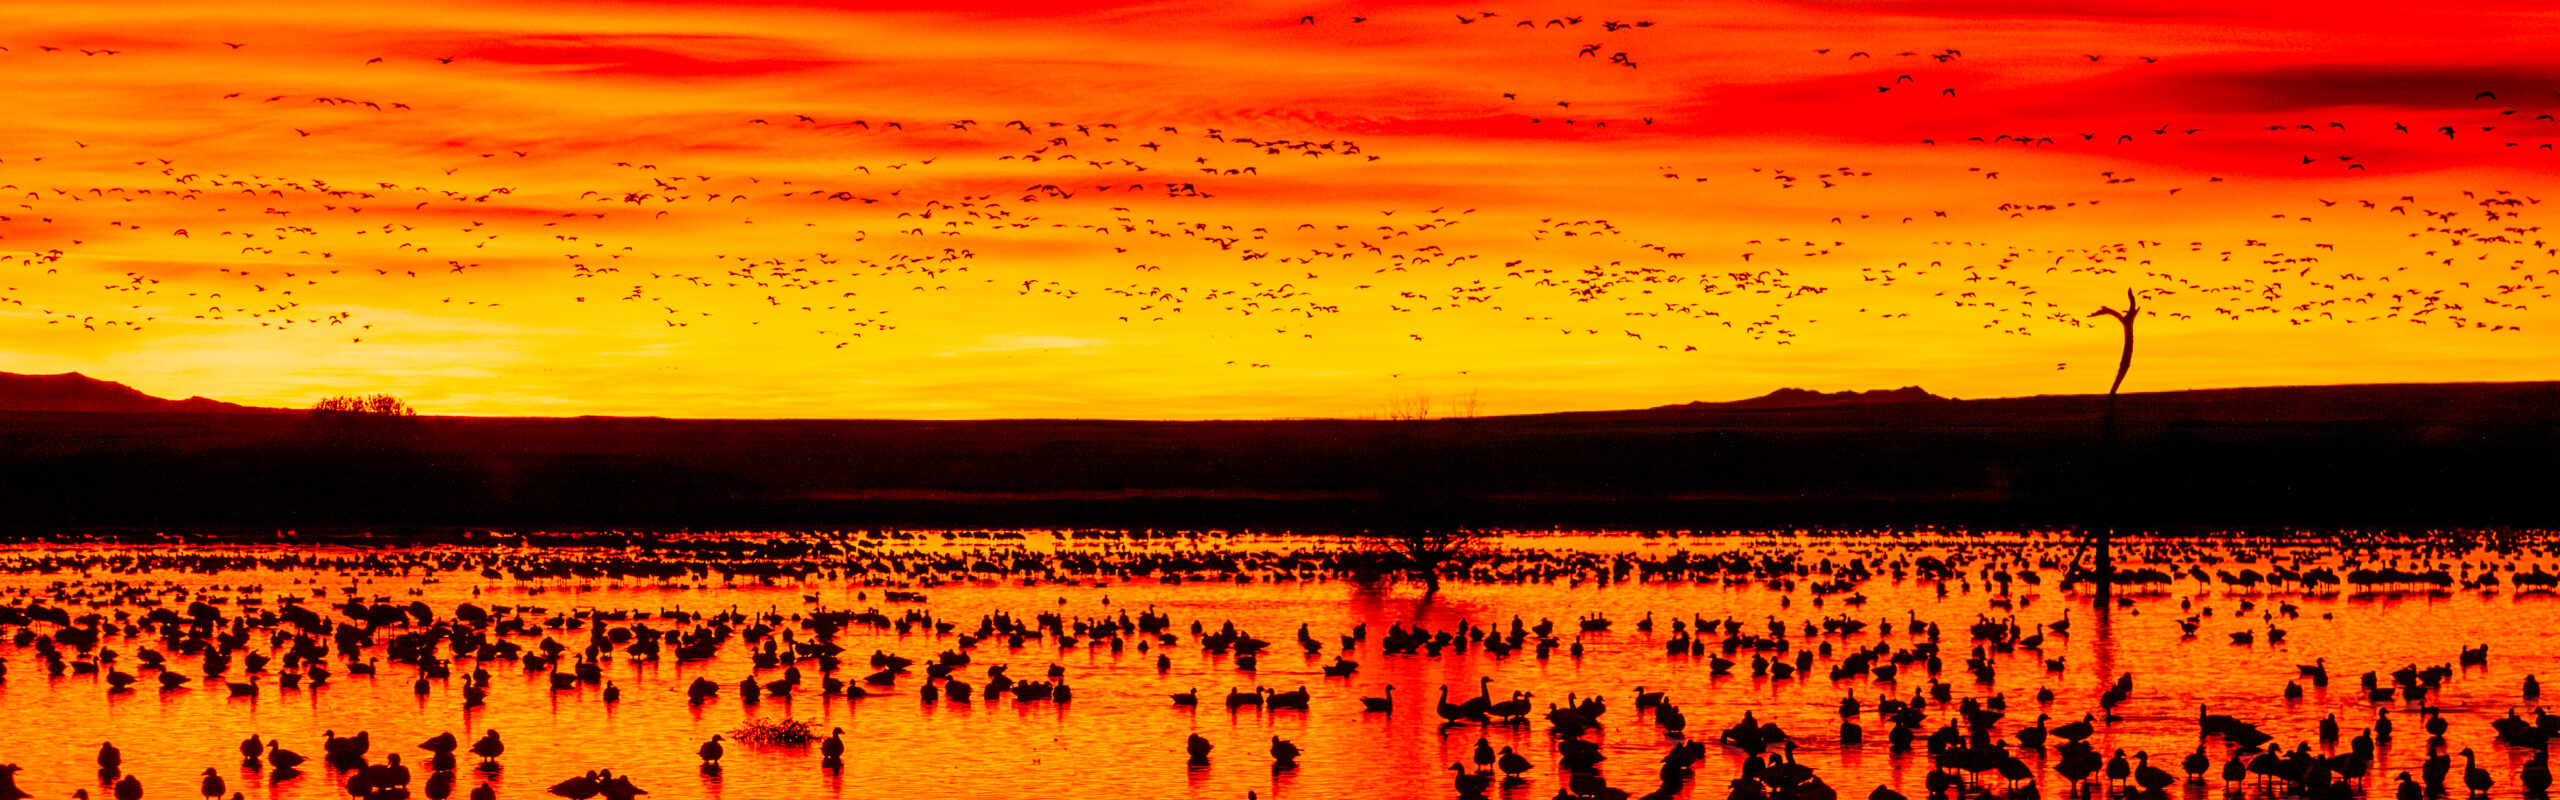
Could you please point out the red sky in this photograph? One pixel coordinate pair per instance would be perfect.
(1192, 209)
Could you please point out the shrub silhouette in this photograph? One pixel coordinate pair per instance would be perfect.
(366, 423)
(380, 405)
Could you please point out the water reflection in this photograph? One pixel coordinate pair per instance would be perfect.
(1120, 731)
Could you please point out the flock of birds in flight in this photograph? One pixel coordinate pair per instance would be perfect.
(1145, 192)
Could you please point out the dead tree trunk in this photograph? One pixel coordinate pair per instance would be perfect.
(2107, 455)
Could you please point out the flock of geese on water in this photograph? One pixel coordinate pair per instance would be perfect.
(222, 627)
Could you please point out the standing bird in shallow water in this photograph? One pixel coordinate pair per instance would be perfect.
(2033, 737)
(213, 784)
(128, 789)
(2473, 777)
(488, 748)
(1199, 749)
(1452, 712)
(2152, 779)
(710, 751)
(109, 758)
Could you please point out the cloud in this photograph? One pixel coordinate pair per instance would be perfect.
(2288, 87)
(651, 56)
(1007, 342)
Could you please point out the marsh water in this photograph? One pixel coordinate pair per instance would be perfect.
(1120, 735)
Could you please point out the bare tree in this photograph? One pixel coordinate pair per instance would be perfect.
(2106, 568)
(1416, 407)
(1407, 408)
(1430, 474)
(1420, 550)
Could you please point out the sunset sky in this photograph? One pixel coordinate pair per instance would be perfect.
(1251, 209)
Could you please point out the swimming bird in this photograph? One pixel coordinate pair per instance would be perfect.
(578, 788)
(1237, 699)
(617, 787)
(282, 759)
(833, 749)
(1385, 704)
(2076, 731)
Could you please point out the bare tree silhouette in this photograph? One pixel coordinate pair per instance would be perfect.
(1430, 473)
(2106, 568)
(1421, 549)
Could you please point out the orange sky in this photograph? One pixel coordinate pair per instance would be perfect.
(1212, 209)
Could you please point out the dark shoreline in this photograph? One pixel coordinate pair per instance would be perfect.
(2361, 457)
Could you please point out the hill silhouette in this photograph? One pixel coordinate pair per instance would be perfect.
(2438, 455)
(74, 392)
(1804, 398)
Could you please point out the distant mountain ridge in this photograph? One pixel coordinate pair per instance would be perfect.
(72, 391)
(1806, 398)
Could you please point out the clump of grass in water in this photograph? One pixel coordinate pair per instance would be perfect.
(788, 731)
